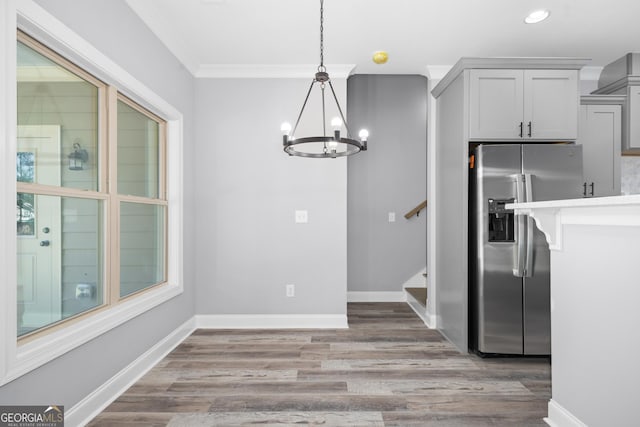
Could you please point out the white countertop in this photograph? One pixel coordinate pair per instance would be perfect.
(551, 216)
(611, 201)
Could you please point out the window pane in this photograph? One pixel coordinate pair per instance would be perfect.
(59, 258)
(142, 248)
(57, 122)
(138, 151)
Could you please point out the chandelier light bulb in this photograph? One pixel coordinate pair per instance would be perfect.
(324, 145)
(364, 134)
(285, 128)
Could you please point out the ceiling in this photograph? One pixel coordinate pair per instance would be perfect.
(228, 34)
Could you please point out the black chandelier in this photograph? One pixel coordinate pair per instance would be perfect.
(324, 146)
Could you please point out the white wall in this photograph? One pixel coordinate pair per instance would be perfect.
(248, 246)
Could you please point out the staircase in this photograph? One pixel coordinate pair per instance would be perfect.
(417, 299)
(418, 294)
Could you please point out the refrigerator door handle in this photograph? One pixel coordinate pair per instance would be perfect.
(528, 265)
(520, 220)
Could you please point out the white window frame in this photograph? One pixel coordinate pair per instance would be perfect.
(16, 360)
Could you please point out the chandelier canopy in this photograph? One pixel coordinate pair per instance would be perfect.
(325, 146)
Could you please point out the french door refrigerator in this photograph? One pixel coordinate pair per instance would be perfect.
(509, 256)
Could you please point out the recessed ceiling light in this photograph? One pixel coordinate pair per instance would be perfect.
(537, 16)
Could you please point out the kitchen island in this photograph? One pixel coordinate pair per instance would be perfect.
(595, 308)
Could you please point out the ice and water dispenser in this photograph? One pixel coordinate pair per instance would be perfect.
(500, 220)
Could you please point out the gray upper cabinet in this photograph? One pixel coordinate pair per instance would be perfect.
(496, 104)
(600, 135)
(631, 143)
(523, 104)
(622, 77)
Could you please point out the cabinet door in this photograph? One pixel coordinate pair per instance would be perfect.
(600, 137)
(495, 104)
(551, 104)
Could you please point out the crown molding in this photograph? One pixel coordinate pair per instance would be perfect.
(590, 73)
(270, 71)
(515, 63)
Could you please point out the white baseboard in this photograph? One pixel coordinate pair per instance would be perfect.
(89, 407)
(560, 417)
(418, 309)
(431, 319)
(376, 296)
(271, 321)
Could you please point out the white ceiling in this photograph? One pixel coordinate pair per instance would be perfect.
(224, 34)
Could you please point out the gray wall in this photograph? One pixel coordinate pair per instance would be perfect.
(391, 176)
(115, 30)
(248, 246)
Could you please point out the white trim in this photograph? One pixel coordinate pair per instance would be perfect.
(432, 215)
(274, 71)
(419, 309)
(560, 417)
(42, 350)
(89, 407)
(376, 296)
(17, 360)
(8, 128)
(430, 319)
(271, 321)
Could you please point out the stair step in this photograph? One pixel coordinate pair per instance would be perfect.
(419, 294)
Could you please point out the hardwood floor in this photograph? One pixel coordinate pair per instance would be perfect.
(387, 369)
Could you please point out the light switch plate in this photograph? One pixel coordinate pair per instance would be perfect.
(392, 217)
(302, 217)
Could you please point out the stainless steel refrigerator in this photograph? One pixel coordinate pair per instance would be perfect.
(509, 256)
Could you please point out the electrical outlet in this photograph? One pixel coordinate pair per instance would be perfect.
(291, 290)
(302, 217)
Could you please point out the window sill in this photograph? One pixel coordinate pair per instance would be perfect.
(37, 352)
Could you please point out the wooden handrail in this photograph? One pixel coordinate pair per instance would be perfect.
(416, 210)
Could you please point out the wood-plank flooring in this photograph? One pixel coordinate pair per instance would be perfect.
(387, 369)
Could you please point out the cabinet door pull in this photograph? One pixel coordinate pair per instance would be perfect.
(584, 189)
(521, 124)
(529, 125)
(592, 187)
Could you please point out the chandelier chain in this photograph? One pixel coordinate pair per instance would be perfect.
(321, 33)
(325, 146)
